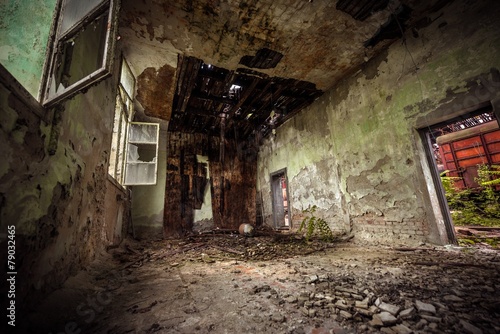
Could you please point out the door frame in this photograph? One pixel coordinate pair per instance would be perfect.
(424, 134)
(272, 176)
(438, 187)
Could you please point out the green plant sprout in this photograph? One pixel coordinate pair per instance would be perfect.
(315, 226)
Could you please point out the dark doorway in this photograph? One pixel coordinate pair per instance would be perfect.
(280, 199)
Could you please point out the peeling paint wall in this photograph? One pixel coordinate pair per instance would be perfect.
(54, 185)
(304, 146)
(58, 202)
(356, 154)
(117, 212)
(231, 184)
(155, 90)
(24, 32)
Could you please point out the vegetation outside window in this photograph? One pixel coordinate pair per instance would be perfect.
(82, 52)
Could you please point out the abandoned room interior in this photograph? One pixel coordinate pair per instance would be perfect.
(250, 166)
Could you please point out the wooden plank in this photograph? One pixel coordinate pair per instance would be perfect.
(470, 153)
(454, 136)
(492, 137)
(467, 143)
(472, 162)
(192, 72)
(249, 90)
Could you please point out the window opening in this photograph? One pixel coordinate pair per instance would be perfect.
(465, 154)
(123, 115)
(83, 46)
(134, 145)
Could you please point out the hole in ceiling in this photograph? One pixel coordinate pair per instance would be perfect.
(361, 9)
(393, 28)
(247, 100)
(264, 58)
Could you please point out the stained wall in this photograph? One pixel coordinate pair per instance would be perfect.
(231, 184)
(24, 32)
(54, 185)
(356, 152)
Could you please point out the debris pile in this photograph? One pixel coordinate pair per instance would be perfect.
(223, 247)
(421, 296)
(228, 283)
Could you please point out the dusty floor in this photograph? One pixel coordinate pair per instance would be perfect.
(265, 284)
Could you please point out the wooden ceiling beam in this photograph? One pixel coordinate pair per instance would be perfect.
(189, 81)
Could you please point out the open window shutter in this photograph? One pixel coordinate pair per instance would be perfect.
(142, 154)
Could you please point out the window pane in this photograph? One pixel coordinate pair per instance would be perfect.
(142, 151)
(79, 55)
(140, 173)
(75, 10)
(127, 80)
(143, 133)
(83, 54)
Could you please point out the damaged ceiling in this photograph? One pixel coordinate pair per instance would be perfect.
(211, 99)
(244, 67)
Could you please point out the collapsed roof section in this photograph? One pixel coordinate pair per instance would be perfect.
(236, 103)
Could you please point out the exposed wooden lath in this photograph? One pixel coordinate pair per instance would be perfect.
(361, 9)
(247, 100)
(264, 58)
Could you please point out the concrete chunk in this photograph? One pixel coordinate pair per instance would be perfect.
(452, 298)
(392, 309)
(345, 314)
(401, 329)
(424, 307)
(341, 305)
(407, 313)
(364, 312)
(362, 304)
(386, 318)
(430, 318)
(469, 328)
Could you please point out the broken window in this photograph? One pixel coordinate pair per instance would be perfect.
(142, 154)
(82, 51)
(123, 114)
(134, 146)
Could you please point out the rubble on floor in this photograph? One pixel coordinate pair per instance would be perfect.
(481, 236)
(225, 283)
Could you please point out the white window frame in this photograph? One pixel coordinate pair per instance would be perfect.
(124, 112)
(60, 37)
(136, 164)
(122, 141)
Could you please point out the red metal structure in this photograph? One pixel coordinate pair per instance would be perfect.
(462, 151)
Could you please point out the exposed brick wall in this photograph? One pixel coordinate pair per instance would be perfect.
(378, 228)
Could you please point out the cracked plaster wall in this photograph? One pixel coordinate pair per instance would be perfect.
(58, 202)
(355, 152)
(54, 185)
